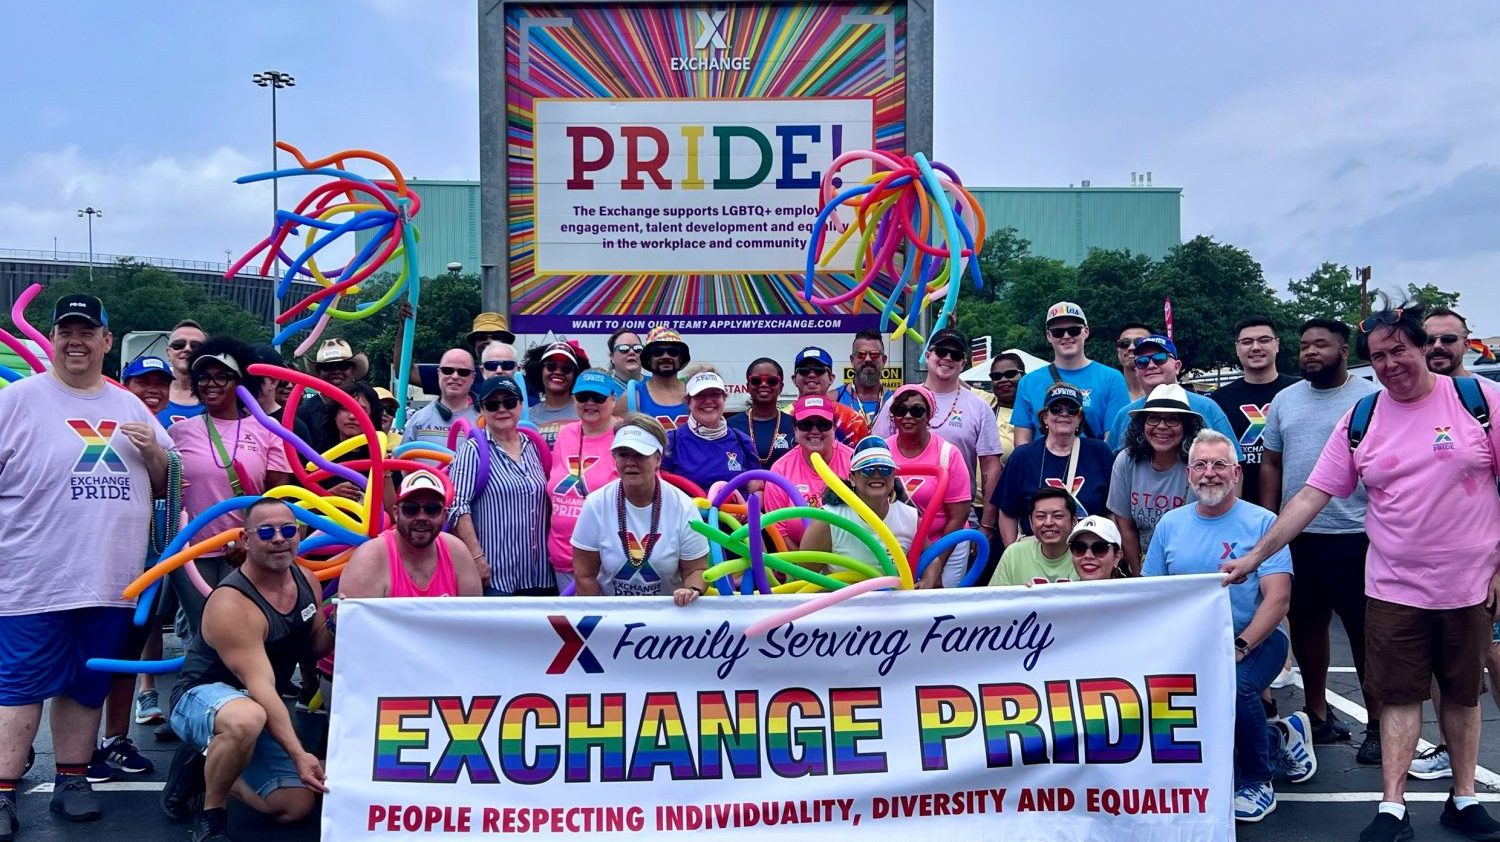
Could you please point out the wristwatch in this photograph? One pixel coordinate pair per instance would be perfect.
(1241, 646)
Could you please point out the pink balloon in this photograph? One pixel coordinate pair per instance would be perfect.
(818, 603)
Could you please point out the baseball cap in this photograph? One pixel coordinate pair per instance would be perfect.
(1065, 310)
(1063, 392)
(493, 385)
(597, 382)
(809, 406)
(813, 354)
(703, 381)
(871, 452)
(561, 349)
(419, 481)
(952, 338)
(81, 306)
(631, 437)
(268, 355)
(1101, 526)
(146, 365)
(1160, 341)
(222, 359)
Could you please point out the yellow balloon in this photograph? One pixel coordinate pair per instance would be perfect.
(887, 537)
(322, 505)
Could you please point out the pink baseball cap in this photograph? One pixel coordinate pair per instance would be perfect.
(809, 406)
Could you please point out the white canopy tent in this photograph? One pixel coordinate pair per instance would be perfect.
(980, 373)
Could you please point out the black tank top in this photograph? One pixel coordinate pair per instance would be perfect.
(288, 638)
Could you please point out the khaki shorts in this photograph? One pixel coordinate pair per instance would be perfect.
(1407, 647)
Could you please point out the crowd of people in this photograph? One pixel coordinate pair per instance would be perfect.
(1314, 494)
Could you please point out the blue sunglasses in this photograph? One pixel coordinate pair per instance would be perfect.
(876, 471)
(267, 532)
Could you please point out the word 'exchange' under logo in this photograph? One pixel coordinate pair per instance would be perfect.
(575, 647)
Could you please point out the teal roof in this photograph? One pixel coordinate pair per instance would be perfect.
(1066, 223)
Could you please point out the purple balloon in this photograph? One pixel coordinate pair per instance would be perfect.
(301, 446)
(757, 545)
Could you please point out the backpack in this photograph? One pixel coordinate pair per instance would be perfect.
(1469, 392)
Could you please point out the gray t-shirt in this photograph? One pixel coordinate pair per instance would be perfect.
(549, 421)
(1298, 425)
(428, 424)
(1143, 494)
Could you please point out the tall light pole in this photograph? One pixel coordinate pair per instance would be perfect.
(91, 212)
(274, 79)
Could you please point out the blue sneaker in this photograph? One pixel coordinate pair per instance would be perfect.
(117, 756)
(1254, 802)
(1301, 761)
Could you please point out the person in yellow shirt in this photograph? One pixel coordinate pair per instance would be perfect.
(1005, 375)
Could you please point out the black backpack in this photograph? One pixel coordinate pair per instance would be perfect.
(1469, 391)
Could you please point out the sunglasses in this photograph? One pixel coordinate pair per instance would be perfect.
(508, 402)
(429, 509)
(1443, 339)
(764, 380)
(1005, 375)
(1098, 548)
(267, 532)
(949, 354)
(554, 367)
(809, 425)
(1071, 330)
(811, 371)
(869, 355)
(346, 365)
(1066, 410)
(874, 471)
(912, 410)
(1124, 344)
(590, 397)
(179, 344)
(1160, 358)
(449, 371)
(500, 365)
(223, 378)
(664, 351)
(623, 348)
(1386, 317)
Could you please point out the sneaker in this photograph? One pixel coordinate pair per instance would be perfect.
(1301, 760)
(99, 769)
(183, 792)
(1286, 679)
(1472, 821)
(9, 823)
(164, 733)
(1254, 802)
(1369, 750)
(121, 755)
(1328, 730)
(1387, 828)
(73, 798)
(148, 708)
(212, 826)
(1431, 764)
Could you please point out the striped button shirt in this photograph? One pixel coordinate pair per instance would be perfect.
(510, 518)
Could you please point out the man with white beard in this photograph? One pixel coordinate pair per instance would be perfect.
(1191, 539)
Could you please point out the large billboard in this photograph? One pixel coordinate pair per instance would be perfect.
(663, 160)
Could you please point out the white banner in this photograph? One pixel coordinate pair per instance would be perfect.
(1098, 711)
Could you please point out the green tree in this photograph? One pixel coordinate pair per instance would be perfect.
(1212, 286)
(447, 307)
(1002, 249)
(1429, 296)
(1116, 287)
(1328, 292)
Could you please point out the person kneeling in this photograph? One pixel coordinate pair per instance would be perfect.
(258, 624)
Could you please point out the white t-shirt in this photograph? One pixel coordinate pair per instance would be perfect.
(598, 531)
(900, 517)
(75, 496)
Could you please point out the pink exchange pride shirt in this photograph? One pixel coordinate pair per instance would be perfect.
(1434, 516)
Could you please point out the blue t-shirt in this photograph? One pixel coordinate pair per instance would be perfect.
(707, 462)
(1032, 465)
(773, 437)
(1187, 542)
(173, 412)
(1104, 392)
(1213, 417)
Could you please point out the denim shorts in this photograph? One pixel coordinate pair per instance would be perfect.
(270, 768)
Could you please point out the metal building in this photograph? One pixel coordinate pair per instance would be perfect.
(449, 225)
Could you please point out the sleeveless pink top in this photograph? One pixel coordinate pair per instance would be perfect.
(443, 582)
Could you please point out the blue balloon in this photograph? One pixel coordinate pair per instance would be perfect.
(146, 667)
(953, 539)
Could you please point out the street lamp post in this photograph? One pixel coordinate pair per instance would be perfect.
(91, 212)
(274, 79)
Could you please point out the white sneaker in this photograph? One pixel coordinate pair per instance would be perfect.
(1431, 764)
(1254, 802)
(1286, 679)
(1301, 761)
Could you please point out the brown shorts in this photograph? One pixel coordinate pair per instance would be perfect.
(1406, 647)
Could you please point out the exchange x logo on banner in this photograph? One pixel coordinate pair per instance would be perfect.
(574, 644)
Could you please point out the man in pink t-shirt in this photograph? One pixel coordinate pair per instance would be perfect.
(1431, 574)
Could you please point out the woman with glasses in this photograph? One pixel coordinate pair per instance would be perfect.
(1095, 546)
(339, 425)
(770, 430)
(1150, 476)
(813, 423)
(505, 527)
(1005, 375)
(581, 463)
(872, 475)
(553, 374)
(625, 357)
(634, 536)
(707, 450)
(915, 446)
(225, 453)
(1061, 458)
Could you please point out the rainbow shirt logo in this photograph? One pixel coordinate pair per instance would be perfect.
(574, 483)
(1255, 416)
(96, 447)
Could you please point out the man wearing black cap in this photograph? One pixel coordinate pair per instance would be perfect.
(78, 451)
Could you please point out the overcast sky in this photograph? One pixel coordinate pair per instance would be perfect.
(1359, 132)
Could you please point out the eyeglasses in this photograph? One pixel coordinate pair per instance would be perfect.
(1071, 330)
(223, 378)
(449, 371)
(1252, 341)
(912, 410)
(624, 348)
(590, 397)
(1163, 421)
(267, 532)
(664, 351)
(873, 471)
(811, 371)
(1384, 317)
(1443, 339)
(1066, 410)
(500, 365)
(1145, 360)
(1216, 464)
(179, 344)
(1009, 374)
(820, 425)
(429, 509)
(555, 367)
(949, 354)
(1098, 548)
(508, 402)
(764, 380)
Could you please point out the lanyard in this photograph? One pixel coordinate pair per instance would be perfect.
(235, 484)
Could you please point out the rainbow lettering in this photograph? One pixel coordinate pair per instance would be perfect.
(1064, 729)
(391, 736)
(1012, 710)
(849, 731)
(943, 713)
(513, 739)
(1093, 694)
(661, 740)
(717, 729)
(585, 735)
(1167, 718)
(783, 740)
(464, 731)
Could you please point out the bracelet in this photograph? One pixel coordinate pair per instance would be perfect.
(699, 590)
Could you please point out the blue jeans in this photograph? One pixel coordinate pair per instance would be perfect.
(1257, 744)
(193, 717)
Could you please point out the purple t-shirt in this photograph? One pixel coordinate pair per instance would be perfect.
(707, 462)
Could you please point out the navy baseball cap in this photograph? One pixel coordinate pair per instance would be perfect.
(813, 354)
(1063, 392)
(499, 384)
(85, 307)
(146, 365)
(1158, 340)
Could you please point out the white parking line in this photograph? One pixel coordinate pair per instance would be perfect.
(1351, 797)
(112, 786)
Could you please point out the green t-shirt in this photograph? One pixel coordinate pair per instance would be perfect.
(1024, 563)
